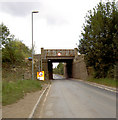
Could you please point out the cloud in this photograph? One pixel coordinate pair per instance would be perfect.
(19, 8)
(58, 24)
(22, 9)
(55, 19)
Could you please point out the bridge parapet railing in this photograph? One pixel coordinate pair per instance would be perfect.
(59, 52)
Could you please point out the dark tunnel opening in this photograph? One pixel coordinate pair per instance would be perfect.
(67, 67)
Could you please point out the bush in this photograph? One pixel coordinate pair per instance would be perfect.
(59, 69)
(13, 50)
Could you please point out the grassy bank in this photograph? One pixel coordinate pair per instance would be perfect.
(13, 91)
(104, 81)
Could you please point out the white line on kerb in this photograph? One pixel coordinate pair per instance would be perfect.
(45, 99)
(32, 113)
(47, 94)
(102, 87)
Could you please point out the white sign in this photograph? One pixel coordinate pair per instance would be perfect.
(59, 54)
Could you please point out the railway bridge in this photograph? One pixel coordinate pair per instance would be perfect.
(74, 65)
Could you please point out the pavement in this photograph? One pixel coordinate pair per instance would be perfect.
(77, 99)
(22, 108)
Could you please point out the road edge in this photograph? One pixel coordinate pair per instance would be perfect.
(112, 89)
(38, 101)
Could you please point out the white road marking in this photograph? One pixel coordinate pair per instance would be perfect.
(45, 98)
(38, 101)
(102, 87)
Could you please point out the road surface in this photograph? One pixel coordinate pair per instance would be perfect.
(76, 99)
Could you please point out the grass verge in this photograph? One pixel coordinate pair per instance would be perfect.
(104, 81)
(13, 91)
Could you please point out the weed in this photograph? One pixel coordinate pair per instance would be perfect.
(13, 91)
(105, 81)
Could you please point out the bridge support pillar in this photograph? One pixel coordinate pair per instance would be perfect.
(68, 69)
(45, 68)
(50, 70)
(65, 71)
(56, 55)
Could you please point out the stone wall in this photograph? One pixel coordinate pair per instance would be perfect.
(28, 70)
(79, 70)
(74, 69)
(65, 71)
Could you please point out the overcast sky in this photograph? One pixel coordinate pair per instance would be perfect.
(58, 24)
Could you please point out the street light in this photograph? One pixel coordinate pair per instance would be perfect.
(32, 46)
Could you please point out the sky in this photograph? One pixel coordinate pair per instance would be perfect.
(58, 24)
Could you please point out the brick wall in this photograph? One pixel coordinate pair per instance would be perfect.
(79, 69)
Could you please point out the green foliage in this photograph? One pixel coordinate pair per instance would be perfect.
(13, 50)
(13, 91)
(99, 40)
(5, 34)
(104, 81)
(59, 69)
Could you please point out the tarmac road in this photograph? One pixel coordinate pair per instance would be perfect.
(76, 99)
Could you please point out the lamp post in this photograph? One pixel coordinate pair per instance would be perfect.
(33, 46)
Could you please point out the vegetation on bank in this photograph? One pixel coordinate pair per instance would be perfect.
(105, 81)
(99, 38)
(14, 52)
(13, 91)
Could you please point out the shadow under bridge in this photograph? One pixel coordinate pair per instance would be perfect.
(67, 67)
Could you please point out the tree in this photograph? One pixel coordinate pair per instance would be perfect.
(13, 50)
(99, 40)
(59, 69)
(5, 34)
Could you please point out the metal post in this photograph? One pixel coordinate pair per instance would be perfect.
(32, 50)
(33, 47)
(41, 64)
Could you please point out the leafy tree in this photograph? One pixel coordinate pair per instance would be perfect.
(13, 50)
(99, 41)
(59, 69)
(5, 33)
